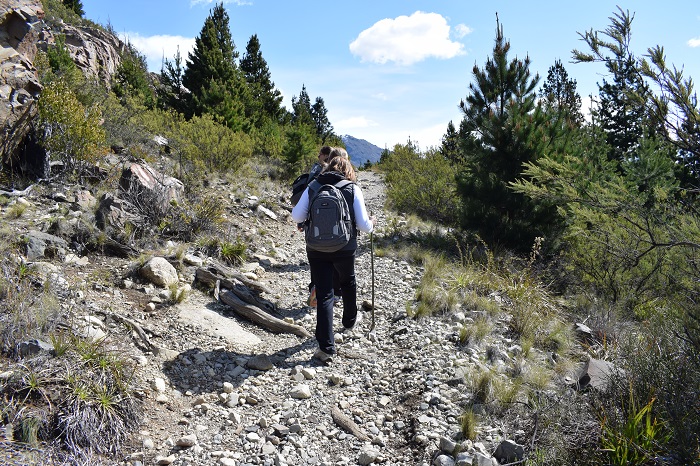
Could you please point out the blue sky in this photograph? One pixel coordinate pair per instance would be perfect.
(390, 70)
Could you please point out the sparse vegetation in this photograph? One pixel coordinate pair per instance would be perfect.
(612, 210)
(234, 252)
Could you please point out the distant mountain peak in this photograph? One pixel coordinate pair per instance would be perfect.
(361, 151)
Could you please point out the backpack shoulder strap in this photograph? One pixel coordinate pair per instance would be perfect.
(349, 197)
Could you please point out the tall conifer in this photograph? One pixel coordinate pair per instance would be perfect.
(622, 108)
(501, 130)
(75, 5)
(212, 75)
(266, 100)
(559, 96)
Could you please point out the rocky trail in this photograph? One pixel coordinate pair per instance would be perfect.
(221, 390)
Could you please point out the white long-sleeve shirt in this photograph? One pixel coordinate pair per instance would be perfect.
(301, 211)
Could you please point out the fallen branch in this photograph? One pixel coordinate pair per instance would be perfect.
(347, 424)
(145, 341)
(217, 271)
(211, 277)
(24, 192)
(257, 315)
(234, 290)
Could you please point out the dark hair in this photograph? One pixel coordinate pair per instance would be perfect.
(325, 150)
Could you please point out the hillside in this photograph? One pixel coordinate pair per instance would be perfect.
(361, 151)
(214, 387)
(153, 291)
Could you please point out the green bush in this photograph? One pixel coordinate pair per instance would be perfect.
(56, 10)
(269, 139)
(651, 408)
(422, 184)
(69, 130)
(637, 439)
(209, 145)
(132, 78)
(26, 311)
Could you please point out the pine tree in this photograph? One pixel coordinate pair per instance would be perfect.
(266, 100)
(319, 113)
(559, 96)
(132, 77)
(171, 92)
(501, 130)
(301, 109)
(76, 6)
(622, 107)
(212, 75)
(450, 145)
(677, 106)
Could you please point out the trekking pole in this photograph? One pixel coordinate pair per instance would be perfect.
(371, 255)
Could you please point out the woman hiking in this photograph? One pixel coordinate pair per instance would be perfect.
(324, 264)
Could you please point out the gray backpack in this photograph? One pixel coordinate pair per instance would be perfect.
(330, 224)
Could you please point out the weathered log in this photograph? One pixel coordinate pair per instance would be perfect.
(259, 316)
(244, 293)
(347, 424)
(211, 278)
(23, 192)
(228, 272)
(211, 273)
(119, 249)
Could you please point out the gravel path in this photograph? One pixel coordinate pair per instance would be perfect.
(222, 391)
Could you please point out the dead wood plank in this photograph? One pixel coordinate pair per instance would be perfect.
(14, 192)
(211, 279)
(145, 341)
(259, 316)
(347, 424)
(210, 274)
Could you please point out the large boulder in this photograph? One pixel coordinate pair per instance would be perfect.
(113, 214)
(140, 180)
(40, 244)
(159, 272)
(596, 374)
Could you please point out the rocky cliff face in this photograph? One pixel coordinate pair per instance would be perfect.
(94, 51)
(23, 31)
(19, 84)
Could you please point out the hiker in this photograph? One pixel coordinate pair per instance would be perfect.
(324, 155)
(323, 264)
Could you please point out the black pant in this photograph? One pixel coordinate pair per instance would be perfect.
(322, 271)
(336, 284)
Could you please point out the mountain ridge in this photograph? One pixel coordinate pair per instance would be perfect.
(361, 151)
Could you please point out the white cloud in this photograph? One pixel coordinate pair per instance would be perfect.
(406, 40)
(155, 48)
(462, 30)
(380, 96)
(694, 42)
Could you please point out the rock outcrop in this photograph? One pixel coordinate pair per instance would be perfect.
(95, 52)
(19, 84)
(24, 31)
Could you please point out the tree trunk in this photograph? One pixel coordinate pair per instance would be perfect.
(260, 317)
(234, 290)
